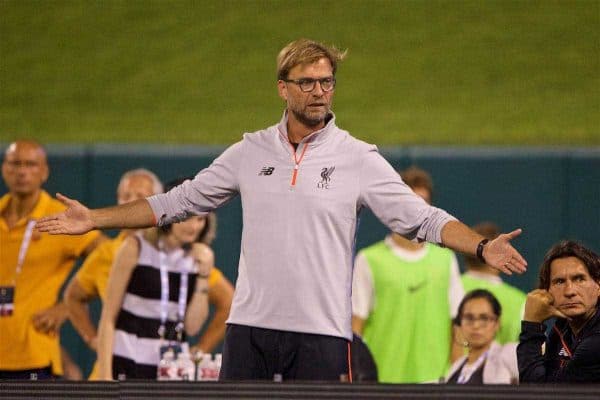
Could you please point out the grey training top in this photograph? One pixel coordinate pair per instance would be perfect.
(295, 269)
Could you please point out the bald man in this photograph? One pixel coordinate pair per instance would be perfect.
(33, 267)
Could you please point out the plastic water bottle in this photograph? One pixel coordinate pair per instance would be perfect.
(205, 368)
(217, 364)
(167, 370)
(185, 367)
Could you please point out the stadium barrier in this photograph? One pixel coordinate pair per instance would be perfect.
(313, 391)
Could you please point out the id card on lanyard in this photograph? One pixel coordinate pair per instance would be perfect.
(7, 293)
(175, 346)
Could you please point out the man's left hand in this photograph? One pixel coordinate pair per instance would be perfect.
(500, 254)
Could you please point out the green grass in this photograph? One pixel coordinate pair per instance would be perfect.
(417, 72)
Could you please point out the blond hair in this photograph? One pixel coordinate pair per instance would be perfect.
(305, 51)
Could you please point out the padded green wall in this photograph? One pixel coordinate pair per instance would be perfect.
(551, 193)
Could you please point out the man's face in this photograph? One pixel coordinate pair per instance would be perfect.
(134, 188)
(310, 108)
(24, 168)
(575, 292)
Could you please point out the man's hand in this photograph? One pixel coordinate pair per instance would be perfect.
(49, 320)
(539, 306)
(500, 254)
(75, 220)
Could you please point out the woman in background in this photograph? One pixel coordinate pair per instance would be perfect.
(487, 362)
(157, 293)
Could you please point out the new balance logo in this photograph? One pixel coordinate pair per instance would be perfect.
(266, 171)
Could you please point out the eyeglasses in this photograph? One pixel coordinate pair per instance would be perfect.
(483, 319)
(308, 84)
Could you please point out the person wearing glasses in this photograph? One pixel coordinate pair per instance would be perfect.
(487, 361)
(302, 183)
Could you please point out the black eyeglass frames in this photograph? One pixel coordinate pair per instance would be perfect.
(308, 84)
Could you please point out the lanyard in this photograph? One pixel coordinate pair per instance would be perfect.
(23, 249)
(562, 340)
(164, 297)
(466, 373)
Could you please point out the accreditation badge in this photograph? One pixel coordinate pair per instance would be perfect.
(7, 300)
(175, 347)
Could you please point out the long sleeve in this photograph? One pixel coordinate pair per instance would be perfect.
(395, 204)
(583, 365)
(529, 352)
(211, 188)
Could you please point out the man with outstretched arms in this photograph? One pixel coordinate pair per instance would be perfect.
(302, 184)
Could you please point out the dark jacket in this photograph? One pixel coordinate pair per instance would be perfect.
(568, 358)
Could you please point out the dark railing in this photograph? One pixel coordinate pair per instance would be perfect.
(312, 391)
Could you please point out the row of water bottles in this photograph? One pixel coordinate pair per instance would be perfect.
(187, 367)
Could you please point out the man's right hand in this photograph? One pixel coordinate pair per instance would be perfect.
(539, 306)
(75, 220)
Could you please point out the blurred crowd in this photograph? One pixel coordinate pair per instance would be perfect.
(416, 318)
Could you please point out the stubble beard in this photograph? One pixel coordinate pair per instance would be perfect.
(310, 120)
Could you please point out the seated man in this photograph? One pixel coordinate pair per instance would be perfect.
(569, 290)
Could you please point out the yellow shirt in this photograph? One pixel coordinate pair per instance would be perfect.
(93, 274)
(48, 261)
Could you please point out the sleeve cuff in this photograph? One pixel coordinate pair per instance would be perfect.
(535, 327)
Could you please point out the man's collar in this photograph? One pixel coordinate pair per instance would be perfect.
(39, 209)
(592, 325)
(315, 137)
(37, 212)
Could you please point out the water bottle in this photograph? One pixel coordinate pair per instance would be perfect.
(217, 364)
(205, 367)
(185, 367)
(167, 370)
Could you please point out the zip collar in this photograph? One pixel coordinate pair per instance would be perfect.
(314, 139)
(39, 210)
(591, 327)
